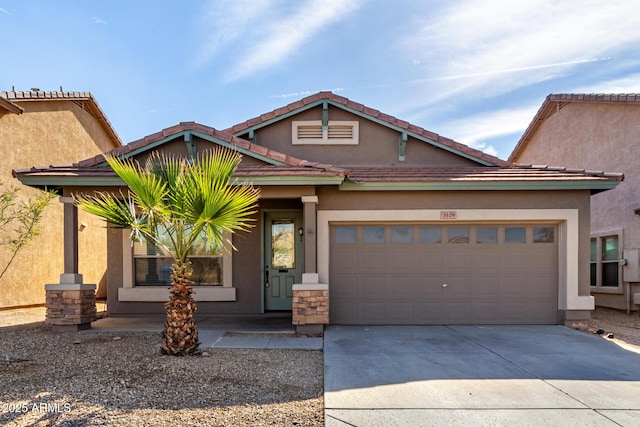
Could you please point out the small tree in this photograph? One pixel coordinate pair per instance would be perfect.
(176, 203)
(19, 221)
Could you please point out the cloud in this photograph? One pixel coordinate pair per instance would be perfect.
(98, 20)
(627, 84)
(225, 21)
(265, 33)
(472, 50)
(475, 130)
(3, 10)
(289, 33)
(304, 93)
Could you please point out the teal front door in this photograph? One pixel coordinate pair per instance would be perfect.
(283, 258)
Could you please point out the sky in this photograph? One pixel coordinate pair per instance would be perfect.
(475, 71)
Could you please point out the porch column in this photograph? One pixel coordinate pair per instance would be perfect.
(71, 304)
(310, 298)
(309, 213)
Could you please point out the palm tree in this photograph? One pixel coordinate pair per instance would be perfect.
(176, 203)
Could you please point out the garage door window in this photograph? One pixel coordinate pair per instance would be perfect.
(458, 235)
(515, 235)
(543, 235)
(430, 235)
(373, 235)
(346, 235)
(487, 235)
(402, 235)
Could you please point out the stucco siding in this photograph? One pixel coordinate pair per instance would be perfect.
(602, 137)
(49, 133)
(378, 144)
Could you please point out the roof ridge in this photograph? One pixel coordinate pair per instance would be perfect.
(377, 114)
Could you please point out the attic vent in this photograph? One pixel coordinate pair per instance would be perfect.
(310, 132)
(338, 133)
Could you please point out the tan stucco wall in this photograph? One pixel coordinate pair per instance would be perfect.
(602, 137)
(50, 132)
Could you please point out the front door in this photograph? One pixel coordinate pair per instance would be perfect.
(283, 258)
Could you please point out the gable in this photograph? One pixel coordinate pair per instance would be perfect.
(566, 122)
(357, 142)
(373, 147)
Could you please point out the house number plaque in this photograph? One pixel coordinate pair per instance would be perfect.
(448, 215)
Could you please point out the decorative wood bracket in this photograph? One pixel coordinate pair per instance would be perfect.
(191, 144)
(325, 115)
(402, 147)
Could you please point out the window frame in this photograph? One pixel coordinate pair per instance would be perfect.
(130, 292)
(599, 237)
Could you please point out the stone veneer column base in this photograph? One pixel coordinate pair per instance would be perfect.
(70, 307)
(310, 306)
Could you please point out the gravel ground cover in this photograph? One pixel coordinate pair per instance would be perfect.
(121, 379)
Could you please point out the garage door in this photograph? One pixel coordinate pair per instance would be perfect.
(443, 274)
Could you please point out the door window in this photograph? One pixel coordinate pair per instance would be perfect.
(283, 243)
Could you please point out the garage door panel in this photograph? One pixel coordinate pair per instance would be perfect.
(373, 287)
(428, 290)
(375, 312)
(428, 262)
(347, 289)
(372, 261)
(400, 313)
(402, 287)
(401, 262)
(428, 313)
(485, 312)
(400, 280)
(487, 288)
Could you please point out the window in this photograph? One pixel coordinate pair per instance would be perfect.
(458, 234)
(337, 133)
(402, 235)
(346, 235)
(605, 262)
(515, 235)
(543, 234)
(152, 265)
(146, 273)
(430, 235)
(373, 234)
(487, 235)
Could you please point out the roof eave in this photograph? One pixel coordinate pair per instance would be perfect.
(53, 181)
(593, 186)
(9, 106)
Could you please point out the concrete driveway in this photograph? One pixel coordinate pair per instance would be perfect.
(477, 375)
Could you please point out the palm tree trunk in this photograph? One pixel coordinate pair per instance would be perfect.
(180, 336)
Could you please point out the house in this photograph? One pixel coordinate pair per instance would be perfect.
(38, 127)
(364, 219)
(597, 132)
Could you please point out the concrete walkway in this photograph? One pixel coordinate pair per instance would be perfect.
(478, 376)
(260, 332)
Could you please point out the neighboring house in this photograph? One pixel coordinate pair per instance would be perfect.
(39, 127)
(383, 221)
(600, 133)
